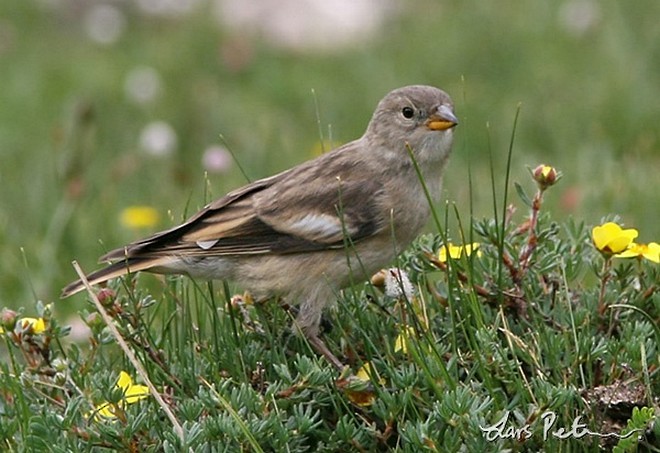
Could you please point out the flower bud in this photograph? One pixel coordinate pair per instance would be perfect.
(106, 296)
(94, 320)
(545, 176)
(378, 279)
(8, 318)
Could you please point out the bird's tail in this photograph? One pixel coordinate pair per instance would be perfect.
(126, 266)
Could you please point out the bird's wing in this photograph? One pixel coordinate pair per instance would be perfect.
(310, 207)
(230, 203)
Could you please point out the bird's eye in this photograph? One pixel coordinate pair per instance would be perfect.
(408, 112)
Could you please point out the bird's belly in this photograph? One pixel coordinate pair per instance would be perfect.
(269, 275)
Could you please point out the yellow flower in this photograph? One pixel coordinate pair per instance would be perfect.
(136, 217)
(452, 250)
(364, 372)
(365, 397)
(132, 394)
(106, 410)
(2, 330)
(650, 251)
(469, 248)
(455, 251)
(37, 325)
(610, 238)
(401, 342)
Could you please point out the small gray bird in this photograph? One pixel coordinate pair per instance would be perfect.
(310, 231)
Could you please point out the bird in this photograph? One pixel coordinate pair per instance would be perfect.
(306, 233)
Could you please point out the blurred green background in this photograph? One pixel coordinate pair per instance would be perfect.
(105, 105)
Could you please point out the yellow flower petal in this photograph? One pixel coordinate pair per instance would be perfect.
(364, 372)
(105, 410)
(401, 342)
(620, 243)
(132, 393)
(469, 248)
(611, 238)
(135, 393)
(124, 382)
(454, 251)
(602, 234)
(650, 251)
(36, 324)
(137, 217)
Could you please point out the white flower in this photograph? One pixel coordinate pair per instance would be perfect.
(216, 159)
(104, 24)
(158, 139)
(143, 84)
(398, 285)
(579, 16)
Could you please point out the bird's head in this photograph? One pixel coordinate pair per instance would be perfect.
(418, 117)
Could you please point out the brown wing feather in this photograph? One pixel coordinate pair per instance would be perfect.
(115, 270)
(212, 211)
(261, 217)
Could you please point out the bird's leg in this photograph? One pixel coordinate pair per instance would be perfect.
(346, 377)
(322, 349)
(308, 321)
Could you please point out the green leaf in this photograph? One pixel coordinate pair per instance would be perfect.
(523, 196)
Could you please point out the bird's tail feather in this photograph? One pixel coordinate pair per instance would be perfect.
(127, 266)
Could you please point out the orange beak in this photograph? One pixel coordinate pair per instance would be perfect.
(442, 119)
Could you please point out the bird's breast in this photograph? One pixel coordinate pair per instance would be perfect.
(409, 210)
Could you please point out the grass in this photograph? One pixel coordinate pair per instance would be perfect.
(233, 374)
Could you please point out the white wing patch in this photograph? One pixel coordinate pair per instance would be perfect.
(205, 245)
(318, 227)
